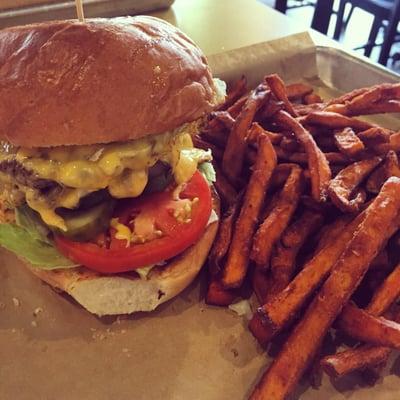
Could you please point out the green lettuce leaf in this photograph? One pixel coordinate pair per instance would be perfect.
(208, 171)
(29, 240)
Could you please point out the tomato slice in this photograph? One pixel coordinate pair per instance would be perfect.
(176, 237)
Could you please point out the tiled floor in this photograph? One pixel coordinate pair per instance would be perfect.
(355, 35)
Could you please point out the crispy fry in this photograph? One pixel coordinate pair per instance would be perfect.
(289, 144)
(202, 144)
(279, 90)
(296, 91)
(341, 364)
(348, 143)
(312, 98)
(300, 348)
(234, 153)
(269, 109)
(361, 325)
(238, 255)
(260, 284)
(343, 186)
(387, 293)
(235, 91)
(234, 109)
(225, 190)
(281, 310)
(374, 136)
(253, 135)
(305, 109)
(366, 357)
(218, 296)
(283, 260)
(223, 239)
(277, 220)
(317, 162)
(367, 101)
(390, 167)
(302, 158)
(224, 117)
(335, 121)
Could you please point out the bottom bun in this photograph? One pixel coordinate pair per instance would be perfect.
(127, 293)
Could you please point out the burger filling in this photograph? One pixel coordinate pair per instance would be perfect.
(104, 206)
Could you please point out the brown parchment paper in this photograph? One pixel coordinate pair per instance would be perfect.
(50, 348)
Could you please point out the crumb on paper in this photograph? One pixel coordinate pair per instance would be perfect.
(34, 324)
(2, 305)
(16, 302)
(125, 350)
(37, 311)
(242, 308)
(123, 331)
(234, 352)
(14, 330)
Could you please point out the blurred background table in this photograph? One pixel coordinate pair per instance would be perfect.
(216, 25)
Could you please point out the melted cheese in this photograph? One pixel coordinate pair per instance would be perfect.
(122, 168)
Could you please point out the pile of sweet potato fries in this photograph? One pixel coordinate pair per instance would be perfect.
(311, 202)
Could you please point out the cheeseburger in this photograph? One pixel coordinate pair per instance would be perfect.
(102, 193)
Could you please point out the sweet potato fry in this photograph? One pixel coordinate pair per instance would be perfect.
(341, 364)
(345, 183)
(225, 190)
(235, 149)
(269, 109)
(234, 92)
(366, 356)
(235, 108)
(317, 162)
(335, 121)
(305, 109)
(238, 255)
(218, 296)
(387, 293)
(253, 135)
(283, 260)
(390, 167)
(374, 136)
(224, 117)
(348, 142)
(289, 144)
(296, 91)
(361, 325)
(299, 350)
(202, 144)
(302, 158)
(312, 98)
(366, 102)
(277, 220)
(281, 310)
(260, 284)
(279, 90)
(222, 241)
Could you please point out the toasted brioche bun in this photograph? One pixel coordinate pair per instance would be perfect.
(105, 80)
(127, 293)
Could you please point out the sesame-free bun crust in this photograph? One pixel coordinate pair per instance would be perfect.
(105, 80)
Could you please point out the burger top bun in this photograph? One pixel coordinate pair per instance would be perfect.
(105, 80)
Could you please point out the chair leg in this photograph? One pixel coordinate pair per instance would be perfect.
(281, 5)
(339, 19)
(390, 34)
(376, 25)
(346, 22)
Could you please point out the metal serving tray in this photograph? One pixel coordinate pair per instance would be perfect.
(184, 349)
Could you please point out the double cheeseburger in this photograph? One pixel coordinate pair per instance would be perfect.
(102, 193)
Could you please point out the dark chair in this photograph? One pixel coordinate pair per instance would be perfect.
(283, 6)
(386, 14)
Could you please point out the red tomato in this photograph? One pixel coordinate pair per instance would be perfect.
(177, 236)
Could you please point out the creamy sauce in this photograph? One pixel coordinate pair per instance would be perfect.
(122, 168)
